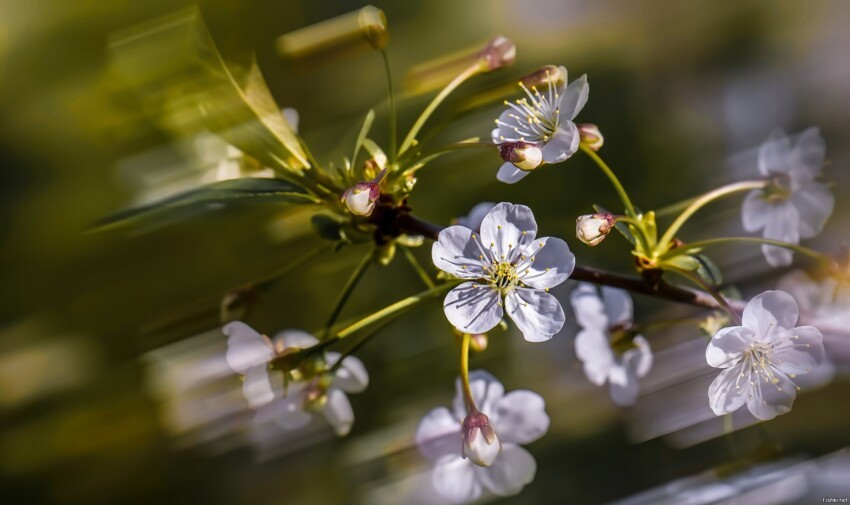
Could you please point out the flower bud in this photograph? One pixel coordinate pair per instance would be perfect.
(543, 76)
(366, 27)
(360, 199)
(478, 342)
(590, 136)
(480, 443)
(593, 228)
(499, 52)
(524, 155)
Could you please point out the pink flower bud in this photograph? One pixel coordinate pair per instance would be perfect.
(593, 228)
(524, 155)
(590, 136)
(360, 199)
(480, 443)
(543, 76)
(499, 52)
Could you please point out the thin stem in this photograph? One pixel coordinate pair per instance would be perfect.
(721, 300)
(674, 208)
(420, 270)
(356, 275)
(393, 120)
(269, 281)
(756, 240)
(464, 373)
(702, 201)
(630, 209)
(420, 121)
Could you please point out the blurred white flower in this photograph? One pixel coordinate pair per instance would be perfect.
(545, 120)
(509, 262)
(519, 418)
(476, 216)
(292, 406)
(604, 320)
(761, 356)
(795, 206)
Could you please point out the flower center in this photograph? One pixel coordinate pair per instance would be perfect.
(503, 275)
(779, 190)
(534, 121)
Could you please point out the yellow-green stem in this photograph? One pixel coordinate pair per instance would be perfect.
(464, 373)
(391, 93)
(720, 299)
(701, 244)
(420, 270)
(355, 277)
(621, 191)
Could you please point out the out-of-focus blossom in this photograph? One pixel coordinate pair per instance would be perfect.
(518, 418)
(591, 136)
(500, 52)
(602, 344)
(476, 216)
(292, 405)
(509, 263)
(795, 205)
(593, 228)
(542, 119)
(825, 304)
(762, 356)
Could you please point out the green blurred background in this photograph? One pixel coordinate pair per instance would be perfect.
(109, 390)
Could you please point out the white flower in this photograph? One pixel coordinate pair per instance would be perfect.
(593, 228)
(762, 356)
(509, 262)
(544, 119)
(249, 353)
(519, 418)
(476, 216)
(604, 321)
(360, 199)
(795, 206)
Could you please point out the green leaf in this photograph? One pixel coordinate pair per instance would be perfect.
(364, 131)
(213, 197)
(327, 227)
(684, 262)
(708, 269)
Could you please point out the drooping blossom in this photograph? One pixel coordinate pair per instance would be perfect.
(761, 357)
(605, 346)
(504, 262)
(543, 120)
(517, 418)
(795, 205)
(293, 405)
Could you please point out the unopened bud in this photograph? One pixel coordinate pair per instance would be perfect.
(360, 199)
(524, 155)
(542, 77)
(478, 342)
(373, 26)
(336, 36)
(499, 52)
(590, 136)
(480, 443)
(593, 228)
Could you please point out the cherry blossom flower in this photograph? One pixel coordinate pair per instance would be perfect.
(476, 216)
(293, 405)
(825, 304)
(543, 120)
(603, 344)
(518, 418)
(509, 263)
(762, 356)
(796, 205)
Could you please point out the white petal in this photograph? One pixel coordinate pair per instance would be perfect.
(623, 385)
(723, 395)
(537, 313)
(291, 116)
(808, 155)
(351, 376)
(618, 306)
(454, 478)
(767, 400)
(814, 202)
(639, 359)
(563, 144)
(801, 353)
(473, 308)
(257, 387)
(553, 263)
(775, 154)
(246, 348)
(486, 392)
(519, 417)
(456, 252)
(298, 339)
(287, 412)
(476, 216)
(728, 345)
(508, 229)
(477, 449)
(593, 350)
(338, 411)
(755, 211)
(512, 471)
(438, 434)
(783, 224)
(769, 309)
(588, 308)
(509, 174)
(575, 97)
(777, 256)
